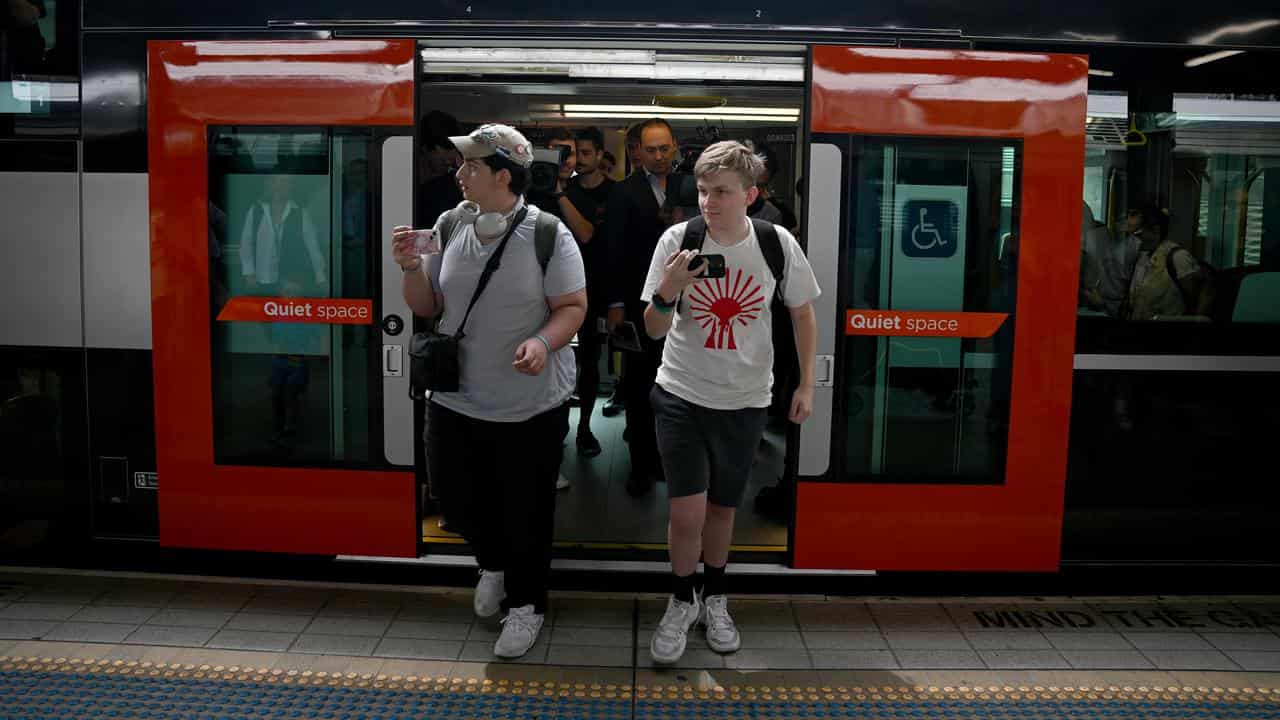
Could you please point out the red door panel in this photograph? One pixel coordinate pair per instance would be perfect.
(192, 85)
(1039, 100)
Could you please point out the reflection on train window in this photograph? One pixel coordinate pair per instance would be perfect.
(934, 228)
(39, 68)
(1221, 196)
(290, 217)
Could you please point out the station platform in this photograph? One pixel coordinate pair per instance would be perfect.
(127, 645)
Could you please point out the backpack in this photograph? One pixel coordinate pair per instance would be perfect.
(786, 363)
(544, 234)
(1203, 303)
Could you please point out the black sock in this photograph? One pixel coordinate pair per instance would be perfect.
(713, 580)
(682, 587)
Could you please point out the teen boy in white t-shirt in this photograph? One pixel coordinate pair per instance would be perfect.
(714, 385)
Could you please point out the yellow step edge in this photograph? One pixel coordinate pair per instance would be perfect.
(437, 540)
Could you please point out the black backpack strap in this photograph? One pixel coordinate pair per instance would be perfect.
(771, 248)
(695, 234)
(544, 238)
(448, 223)
(786, 361)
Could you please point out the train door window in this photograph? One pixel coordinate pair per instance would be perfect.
(935, 230)
(290, 221)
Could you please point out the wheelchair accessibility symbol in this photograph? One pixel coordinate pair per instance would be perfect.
(928, 229)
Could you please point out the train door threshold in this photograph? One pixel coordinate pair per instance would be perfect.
(632, 566)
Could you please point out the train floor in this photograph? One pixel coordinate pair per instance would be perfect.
(126, 645)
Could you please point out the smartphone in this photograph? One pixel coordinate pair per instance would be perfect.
(426, 242)
(714, 263)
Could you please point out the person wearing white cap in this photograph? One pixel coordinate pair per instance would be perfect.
(494, 445)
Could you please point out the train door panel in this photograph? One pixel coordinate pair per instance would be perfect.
(945, 187)
(267, 263)
(396, 325)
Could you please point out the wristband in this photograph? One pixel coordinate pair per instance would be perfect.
(662, 303)
(545, 344)
(664, 309)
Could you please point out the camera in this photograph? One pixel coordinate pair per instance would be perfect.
(545, 170)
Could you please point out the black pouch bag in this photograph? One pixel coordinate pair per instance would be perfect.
(434, 364)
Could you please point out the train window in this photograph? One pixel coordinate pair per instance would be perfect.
(290, 219)
(1227, 150)
(934, 228)
(39, 68)
(1212, 166)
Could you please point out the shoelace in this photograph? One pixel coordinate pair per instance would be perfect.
(718, 617)
(520, 621)
(670, 627)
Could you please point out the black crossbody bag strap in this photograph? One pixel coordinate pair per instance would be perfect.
(490, 268)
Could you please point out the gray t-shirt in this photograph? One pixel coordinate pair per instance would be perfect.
(512, 308)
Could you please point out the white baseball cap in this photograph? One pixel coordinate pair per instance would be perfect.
(494, 139)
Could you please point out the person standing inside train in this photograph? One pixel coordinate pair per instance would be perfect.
(714, 386)
(588, 193)
(493, 447)
(638, 212)
(577, 209)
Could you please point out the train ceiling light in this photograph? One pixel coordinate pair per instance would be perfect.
(613, 64)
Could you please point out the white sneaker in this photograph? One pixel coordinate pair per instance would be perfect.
(562, 482)
(519, 632)
(722, 634)
(490, 592)
(669, 639)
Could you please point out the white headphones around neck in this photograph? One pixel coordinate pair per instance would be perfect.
(488, 225)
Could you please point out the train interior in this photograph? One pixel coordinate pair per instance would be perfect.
(750, 95)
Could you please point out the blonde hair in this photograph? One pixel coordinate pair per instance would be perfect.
(733, 156)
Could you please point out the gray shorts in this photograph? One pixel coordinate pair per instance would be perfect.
(701, 447)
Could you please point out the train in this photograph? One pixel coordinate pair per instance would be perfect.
(959, 179)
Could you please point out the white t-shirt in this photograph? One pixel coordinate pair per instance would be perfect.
(719, 351)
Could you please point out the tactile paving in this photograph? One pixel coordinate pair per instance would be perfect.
(59, 687)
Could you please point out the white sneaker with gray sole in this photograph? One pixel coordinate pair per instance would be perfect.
(519, 632)
(672, 634)
(722, 634)
(490, 592)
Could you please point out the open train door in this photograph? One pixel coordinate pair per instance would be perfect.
(944, 215)
(276, 357)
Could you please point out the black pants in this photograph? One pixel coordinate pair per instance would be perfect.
(642, 370)
(590, 343)
(497, 482)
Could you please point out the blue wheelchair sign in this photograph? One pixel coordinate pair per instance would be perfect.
(929, 228)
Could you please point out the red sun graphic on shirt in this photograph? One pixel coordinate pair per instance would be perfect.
(722, 304)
